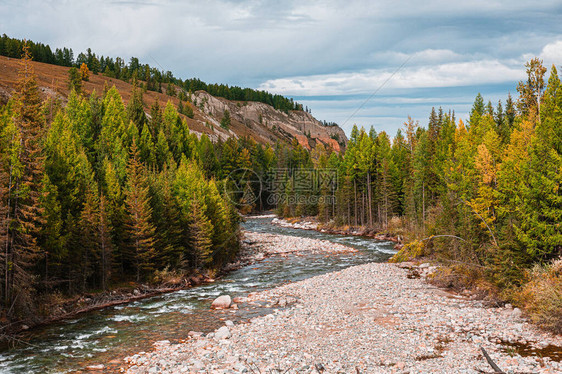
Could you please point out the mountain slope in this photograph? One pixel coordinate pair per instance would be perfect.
(257, 120)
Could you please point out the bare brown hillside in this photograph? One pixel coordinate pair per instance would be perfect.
(257, 120)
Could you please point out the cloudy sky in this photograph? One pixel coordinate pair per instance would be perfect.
(350, 61)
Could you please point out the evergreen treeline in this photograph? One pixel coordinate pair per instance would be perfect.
(487, 193)
(154, 79)
(94, 194)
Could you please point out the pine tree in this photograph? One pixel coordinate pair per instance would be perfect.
(225, 121)
(169, 119)
(530, 92)
(135, 109)
(74, 80)
(541, 208)
(200, 229)
(163, 155)
(105, 243)
(155, 119)
(146, 147)
(172, 236)
(188, 110)
(139, 226)
(88, 253)
(477, 110)
(116, 213)
(51, 239)
(25, 173)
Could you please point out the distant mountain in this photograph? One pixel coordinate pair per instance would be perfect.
(247, 118)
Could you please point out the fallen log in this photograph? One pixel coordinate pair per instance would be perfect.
(491, 362)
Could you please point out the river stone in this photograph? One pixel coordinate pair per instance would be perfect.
(222, 302)
(229, 323)
(95, 367)
(222, 333)
(516, 312)
(195, 334)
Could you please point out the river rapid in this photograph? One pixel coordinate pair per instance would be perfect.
(108, 335)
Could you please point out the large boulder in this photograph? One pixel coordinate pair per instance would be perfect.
(222, 302)
(222, 333)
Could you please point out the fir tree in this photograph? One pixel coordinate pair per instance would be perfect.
(74, 80)
(139, 226)
(200, 230)
(23, 209)
(135, 108)
(225, 121)
(155, 119)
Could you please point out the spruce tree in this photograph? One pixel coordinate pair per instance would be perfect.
(200, 230)
(541, 208)
(24, 212)
(155, 119)
(74, 80)
(139, 225)
(135, 108)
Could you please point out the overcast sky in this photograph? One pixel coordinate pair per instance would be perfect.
(329, 55)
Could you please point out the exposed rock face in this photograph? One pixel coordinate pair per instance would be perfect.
(222, 302)
(258, 120)
(267, 124)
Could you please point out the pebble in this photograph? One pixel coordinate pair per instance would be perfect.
(370, 318)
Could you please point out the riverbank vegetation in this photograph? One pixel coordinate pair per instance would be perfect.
(483, 196)
(96, 194)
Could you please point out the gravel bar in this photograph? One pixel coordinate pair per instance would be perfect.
(365, 319)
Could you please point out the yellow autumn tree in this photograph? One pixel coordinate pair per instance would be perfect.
(84, 72)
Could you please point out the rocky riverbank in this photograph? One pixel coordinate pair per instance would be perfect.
(55, 308)
(258, 246)
(311, 223)
(372, 318)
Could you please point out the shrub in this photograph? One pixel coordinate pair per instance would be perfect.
(409, 252)
(542, 296)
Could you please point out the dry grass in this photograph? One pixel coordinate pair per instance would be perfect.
(409, 252)
(396, 227)
(542, 296)
(167, 277)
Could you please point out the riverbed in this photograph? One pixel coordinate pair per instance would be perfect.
(108, 335)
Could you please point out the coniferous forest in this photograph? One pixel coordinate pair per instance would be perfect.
(95, 192)
(152, 78)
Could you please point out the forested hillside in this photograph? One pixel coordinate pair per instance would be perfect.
(204, 113)
(96, 192)
(484, 196)
(153, 78)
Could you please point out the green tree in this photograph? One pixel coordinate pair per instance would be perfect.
(531, 91)
(541, 208)
(24, 174)
(140, 230)
(74, 80)
(225, 121)
(135, 108)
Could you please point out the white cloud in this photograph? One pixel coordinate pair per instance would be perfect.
(552, 53)
(317, 47)
(439, 75)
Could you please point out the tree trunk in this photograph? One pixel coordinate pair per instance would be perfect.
(423, 204)
(370, 198)
(355, 201)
